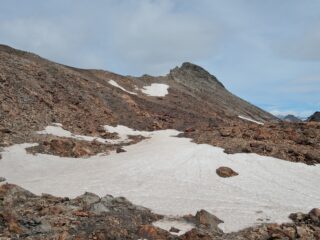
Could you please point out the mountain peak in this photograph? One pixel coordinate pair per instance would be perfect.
(194, 72)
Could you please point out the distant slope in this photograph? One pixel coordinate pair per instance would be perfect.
(291, 118)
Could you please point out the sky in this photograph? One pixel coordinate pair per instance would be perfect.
(267, 52)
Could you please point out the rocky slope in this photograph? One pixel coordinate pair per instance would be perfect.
(35, 92)
(24, 215)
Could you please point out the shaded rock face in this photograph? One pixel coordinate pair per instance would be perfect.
(314, 117)
(226, 172)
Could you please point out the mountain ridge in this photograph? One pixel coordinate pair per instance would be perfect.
(36, 92)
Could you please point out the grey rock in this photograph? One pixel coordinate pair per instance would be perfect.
(89, 198)
(208, 220)
(98, 208)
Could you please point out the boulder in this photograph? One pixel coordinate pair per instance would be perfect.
(99, 208)
(204, 219)
(120, 150)
(226, 172)
(2, 179)
(314, 215)
(174, 230)
(88, 198)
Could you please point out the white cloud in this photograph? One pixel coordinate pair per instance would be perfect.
(153, 37)
(303, 45)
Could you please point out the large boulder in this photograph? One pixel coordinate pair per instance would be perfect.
(314, 215)
(204, 219)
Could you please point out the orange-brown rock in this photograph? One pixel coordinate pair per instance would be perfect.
(226, 172)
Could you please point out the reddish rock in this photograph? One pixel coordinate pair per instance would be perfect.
(226, 172)
(81, 151)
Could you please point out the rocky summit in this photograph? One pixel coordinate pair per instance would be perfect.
(92, 121)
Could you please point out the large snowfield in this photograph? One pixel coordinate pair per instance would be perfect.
(174, 176)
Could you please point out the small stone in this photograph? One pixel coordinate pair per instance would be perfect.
(120, 150)
(174, 230)
(226, 172)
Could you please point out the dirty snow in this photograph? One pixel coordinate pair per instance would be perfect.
(250, 120)
(174, 176)
(156, 90)
(123, 133)
(115, 84)
(167, 223)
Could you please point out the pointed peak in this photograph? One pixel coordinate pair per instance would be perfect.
(195, 72)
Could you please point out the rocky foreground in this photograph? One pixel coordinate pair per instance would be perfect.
(24, 215)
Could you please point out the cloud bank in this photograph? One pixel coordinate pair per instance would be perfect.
(265, 52)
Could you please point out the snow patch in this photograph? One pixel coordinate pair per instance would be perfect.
(174, 176)
(167, 224)
(115, 84)
(122, 131)
(250, 120)
(156, 90)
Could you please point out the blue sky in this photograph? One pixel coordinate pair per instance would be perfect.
(267, 52)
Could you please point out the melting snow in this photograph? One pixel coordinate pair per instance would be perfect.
(156, 90)
(115, 84)
(122, 131)
(182, 225)
(174, 176)
(250, 120)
